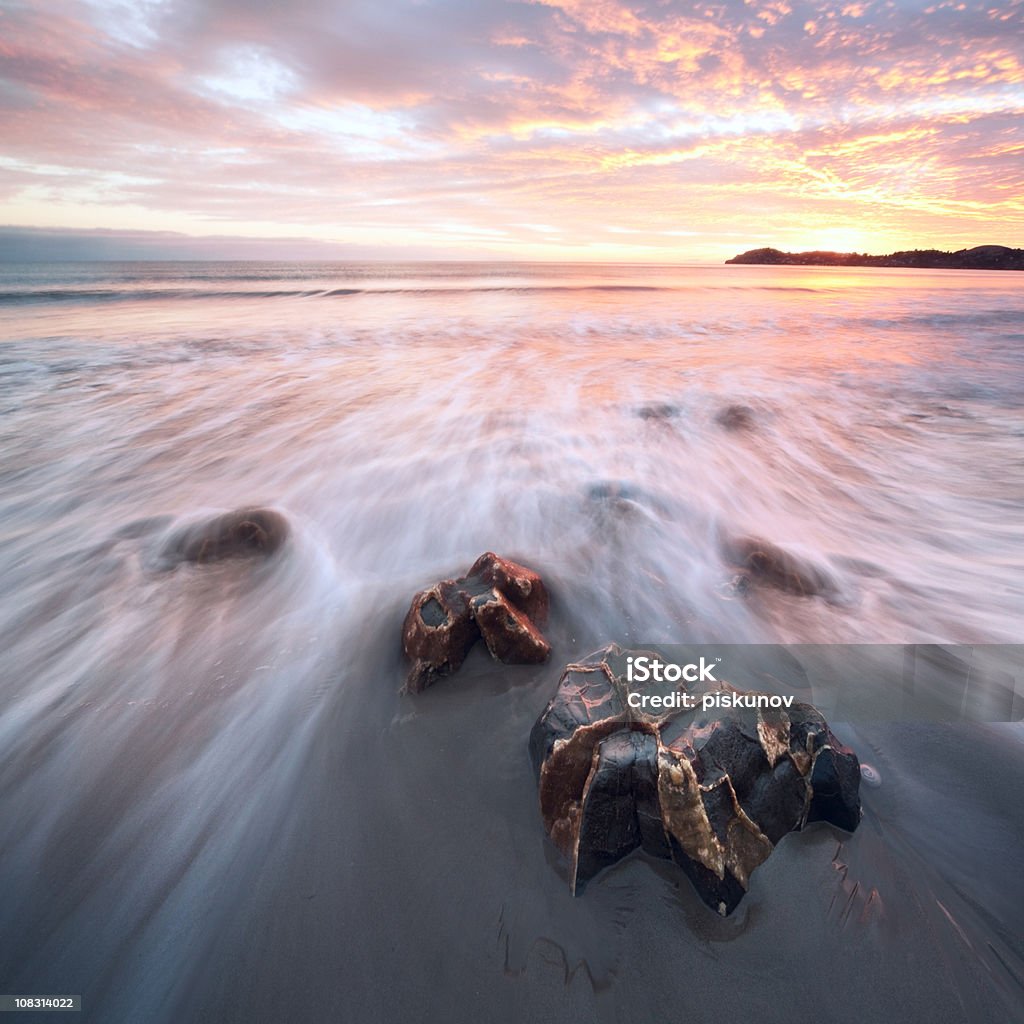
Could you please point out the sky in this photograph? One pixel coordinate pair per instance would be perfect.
(622, 130)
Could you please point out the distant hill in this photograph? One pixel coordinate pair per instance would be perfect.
(981, 257)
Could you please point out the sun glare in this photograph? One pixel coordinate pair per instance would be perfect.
(835, 240)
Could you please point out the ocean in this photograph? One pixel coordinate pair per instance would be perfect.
(216, 804)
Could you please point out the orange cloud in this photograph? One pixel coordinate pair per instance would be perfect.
(694, 124)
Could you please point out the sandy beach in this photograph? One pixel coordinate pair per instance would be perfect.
(219, 808)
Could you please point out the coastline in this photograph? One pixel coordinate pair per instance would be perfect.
(981, 257)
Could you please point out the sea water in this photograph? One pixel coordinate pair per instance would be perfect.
(183, 751)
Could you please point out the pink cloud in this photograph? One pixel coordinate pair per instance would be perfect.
(363, 119)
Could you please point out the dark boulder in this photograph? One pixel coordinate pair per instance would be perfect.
(620, 811)
(244, 533)
(714, 790)
(768, 564)
(736, 418)
(501, 601)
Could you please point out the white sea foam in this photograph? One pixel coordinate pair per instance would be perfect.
(155, 724)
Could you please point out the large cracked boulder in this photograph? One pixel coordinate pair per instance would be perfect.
(499, 600)
(713, 790)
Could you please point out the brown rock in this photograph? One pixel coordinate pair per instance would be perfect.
(501, 600)
(244, 533)
(771, 565)
(713, 791)
(437, 633)
(736, 417)
(509, 634)
(522, 586)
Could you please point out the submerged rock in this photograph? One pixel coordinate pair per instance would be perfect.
(615, 491)
(714, 790)
(736, 417)
(244, 533)
(658, 411)
(501, 601)
(773, 566)
(610, 501)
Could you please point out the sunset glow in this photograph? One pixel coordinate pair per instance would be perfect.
(554, 129)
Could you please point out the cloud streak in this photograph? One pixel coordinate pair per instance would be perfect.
(545, 128)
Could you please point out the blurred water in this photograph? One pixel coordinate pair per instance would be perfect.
(156, 727)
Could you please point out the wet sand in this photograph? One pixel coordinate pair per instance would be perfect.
(422, 887)
(406, 875)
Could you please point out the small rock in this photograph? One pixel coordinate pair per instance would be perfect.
(438, 633)
(500, 600)
(615, 491)
(617, 500)
(658, 411)
(769, 564)
(509, 634)
(737, 586)
(736, 417)
(522, 586)
(244, 533)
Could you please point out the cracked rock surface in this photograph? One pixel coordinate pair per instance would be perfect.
(499, 600)
(713, 791)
